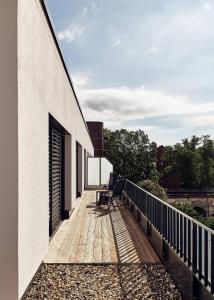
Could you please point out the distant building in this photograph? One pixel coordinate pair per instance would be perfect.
(97, 137)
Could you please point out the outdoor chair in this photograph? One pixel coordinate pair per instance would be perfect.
(107, 197)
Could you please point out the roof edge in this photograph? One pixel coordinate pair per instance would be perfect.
(45, 10)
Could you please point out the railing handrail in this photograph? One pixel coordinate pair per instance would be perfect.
(173, 208)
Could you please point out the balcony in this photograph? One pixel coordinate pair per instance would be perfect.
(128, 252)
(97, 235)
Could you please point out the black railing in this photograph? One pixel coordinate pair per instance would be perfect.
(190, 239)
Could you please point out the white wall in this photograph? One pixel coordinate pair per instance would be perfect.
(94, 171)
(99, 169)
(8, 152)
(43, 87)
(106, 169)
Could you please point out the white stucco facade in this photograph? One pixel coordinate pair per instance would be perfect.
(41, 87)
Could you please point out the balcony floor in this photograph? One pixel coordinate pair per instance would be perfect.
(97, 235)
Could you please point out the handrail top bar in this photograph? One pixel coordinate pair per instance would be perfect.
(173, 208)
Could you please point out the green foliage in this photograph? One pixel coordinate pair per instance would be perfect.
(193, 161)
(210, 222)
(189, 210)
(186, 208)
(132, 154)
(153, 188)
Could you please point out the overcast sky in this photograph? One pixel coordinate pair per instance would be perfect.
(141, 64)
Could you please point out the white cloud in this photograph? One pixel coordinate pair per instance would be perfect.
(152, 50)
(96, 8)
(201, 120)
(170, 117)
(85, 11)
(207, 6)
(70, 34)
(117, 43)
(80, 79)
(116, 105)
(92, 8)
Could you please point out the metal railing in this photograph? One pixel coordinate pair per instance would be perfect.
(190, 239)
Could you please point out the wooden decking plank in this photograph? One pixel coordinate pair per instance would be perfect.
(95, 235)
(98, 241)
(112, 245)
(89, 251)
(106, 252)
(80, 253)
(77, 234)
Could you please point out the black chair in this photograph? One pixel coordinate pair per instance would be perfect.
(112, 180)
(107, 197)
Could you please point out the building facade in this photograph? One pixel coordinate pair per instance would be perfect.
(45, 142)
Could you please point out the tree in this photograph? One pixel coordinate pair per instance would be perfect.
(135, 157)
(192, 161)
(132, 154)
(154, 188)
(206, 166)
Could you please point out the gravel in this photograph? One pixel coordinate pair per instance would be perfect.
(95, 282)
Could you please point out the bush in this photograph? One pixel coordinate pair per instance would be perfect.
(190, 211)
(210, 222)
(153, 188)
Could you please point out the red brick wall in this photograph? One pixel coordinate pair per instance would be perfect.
(97, 136)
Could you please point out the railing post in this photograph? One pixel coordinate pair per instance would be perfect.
(189, 243)
(194, 249)
(185, 239)
(212, 264)
(146, 206)
(196, 288)
(148, 228)
(195, 282)
(181, 236)
(165, 249)
(205, 257)
(138, 216)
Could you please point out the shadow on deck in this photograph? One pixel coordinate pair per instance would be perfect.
(99, 235)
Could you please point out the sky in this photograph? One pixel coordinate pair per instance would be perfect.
(140, 64)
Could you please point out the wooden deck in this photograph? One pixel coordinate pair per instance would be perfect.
(97, 235)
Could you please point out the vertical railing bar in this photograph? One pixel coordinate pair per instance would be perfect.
(189, 243)
(181, 236)
(185, 239)
(200, 252)
(177, 230)
(168, 224)
(194, 249)
(155, 212)
(205, 257)
(174, 232)
(212, 264)
(171, 225)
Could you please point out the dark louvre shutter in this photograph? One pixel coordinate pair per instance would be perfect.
(55, 178)
(77, 167)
